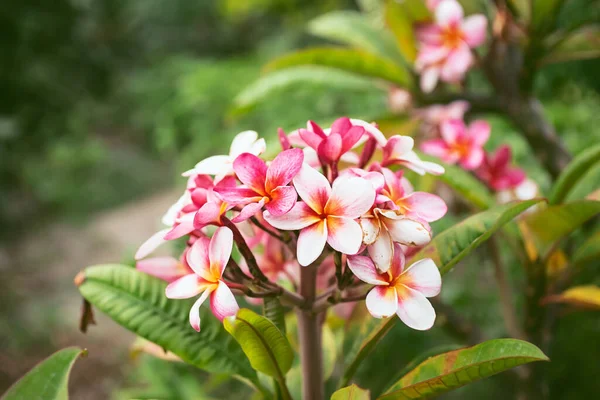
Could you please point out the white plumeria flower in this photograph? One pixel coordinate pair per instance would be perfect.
(401, 291)
(221, 166)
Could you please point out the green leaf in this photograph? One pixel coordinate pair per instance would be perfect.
(48, 380)
(545, 14)
(465, 184)
(351, 392)
(589, 250)
(400, 19)
(587, 296)
(309, 74)
(457, 368)
(274, 312)
(349, 60)
(265, 346)
(453, 244)
(137, 302)
(582, 44)
(549, 225)
(353, 29)
(522, 9)
(573, 173)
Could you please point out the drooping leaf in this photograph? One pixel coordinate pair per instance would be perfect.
(589, 250)
(306, 74)
(265, 346)
(453, 244)
(355, 30)
(48, 380)
(457, 368)
(137, 302)
(351, 392)
(400, 18)
(573, 172)
(273, 310)
(349, 60)
(587, 296)
(582, 44)
(549, 225)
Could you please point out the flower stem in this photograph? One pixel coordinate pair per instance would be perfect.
(309, 330)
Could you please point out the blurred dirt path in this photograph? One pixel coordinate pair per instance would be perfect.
(39, 274)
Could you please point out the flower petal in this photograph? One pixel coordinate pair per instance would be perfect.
(398, 261)
(330, 149)
(457, 64)
(474, 159)
(312, 139)
(474, 29)
(237, 195)
(198, 259)
(283, 168)
(452, 130)
(184, 287)
(299, 217)
(448, 12)
(435, 147)
(219, 251)
(427, 206)
(283, 199)
(381, 251)
(214, 165)
(311, 243)
(480, 132)
(341, 125)
(248, 211)
(208, 214)
(364, 269)
(370, 229)
(414, 309)
(423, 276)
(429, 78)
(351, 137)
(222, 302)
(429, 34)
(350, 197)
(182, 228)
(412, 161)
(312, 187)
(344, 234)
(405, 230)
(242, 143)
(151, 244)
(371, 130)
(382, 301)
(397, 146)
(251, 171)
(166, 268)
(195, 311)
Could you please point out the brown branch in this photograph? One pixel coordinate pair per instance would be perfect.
(245, 251)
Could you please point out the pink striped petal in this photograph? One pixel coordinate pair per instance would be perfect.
(184, 227)
(398, 261)
(423, 276)
(283, 139)
(312, 139)
(350, 197)
(382, 301)
(314, 127)
(330, 149)
(251, 171)
(448, 12)
(283, 168)
(242, 143)
(311, 243)
(237, 195)
(414, 309)
(427, 206)
(166, 268)
(250, 210)
(435, 147)
(365, 270)
(382, 251)
(341, 125)
(474, 29)
(222, 302)
(219, 251)
(198, 259)
(184, 287)
(480, 132)
(195, 311)
(312, 187)
(151, 244)
(429, 79)
(299, 217)
(344, 234)
(283, 199)
(473, 159)
(351, 137)
(208, 214)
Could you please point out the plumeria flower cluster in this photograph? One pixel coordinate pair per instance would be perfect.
(335, 199)
(446, 43)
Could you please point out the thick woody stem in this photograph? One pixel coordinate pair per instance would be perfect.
(309, 331)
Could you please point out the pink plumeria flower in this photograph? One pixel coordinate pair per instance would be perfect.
(330, 147)
(221, 166)
(496, 171)
(214, 208)
(445, 45)
(418, 205)
(326, 214)
(399, 151)
(401, 291)
(382, 228)
(460, 144)
(208, 259)
(438, 113)
(168, 269)
(264, 186)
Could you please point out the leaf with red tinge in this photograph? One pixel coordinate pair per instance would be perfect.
(587, 296)
(451, 370)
